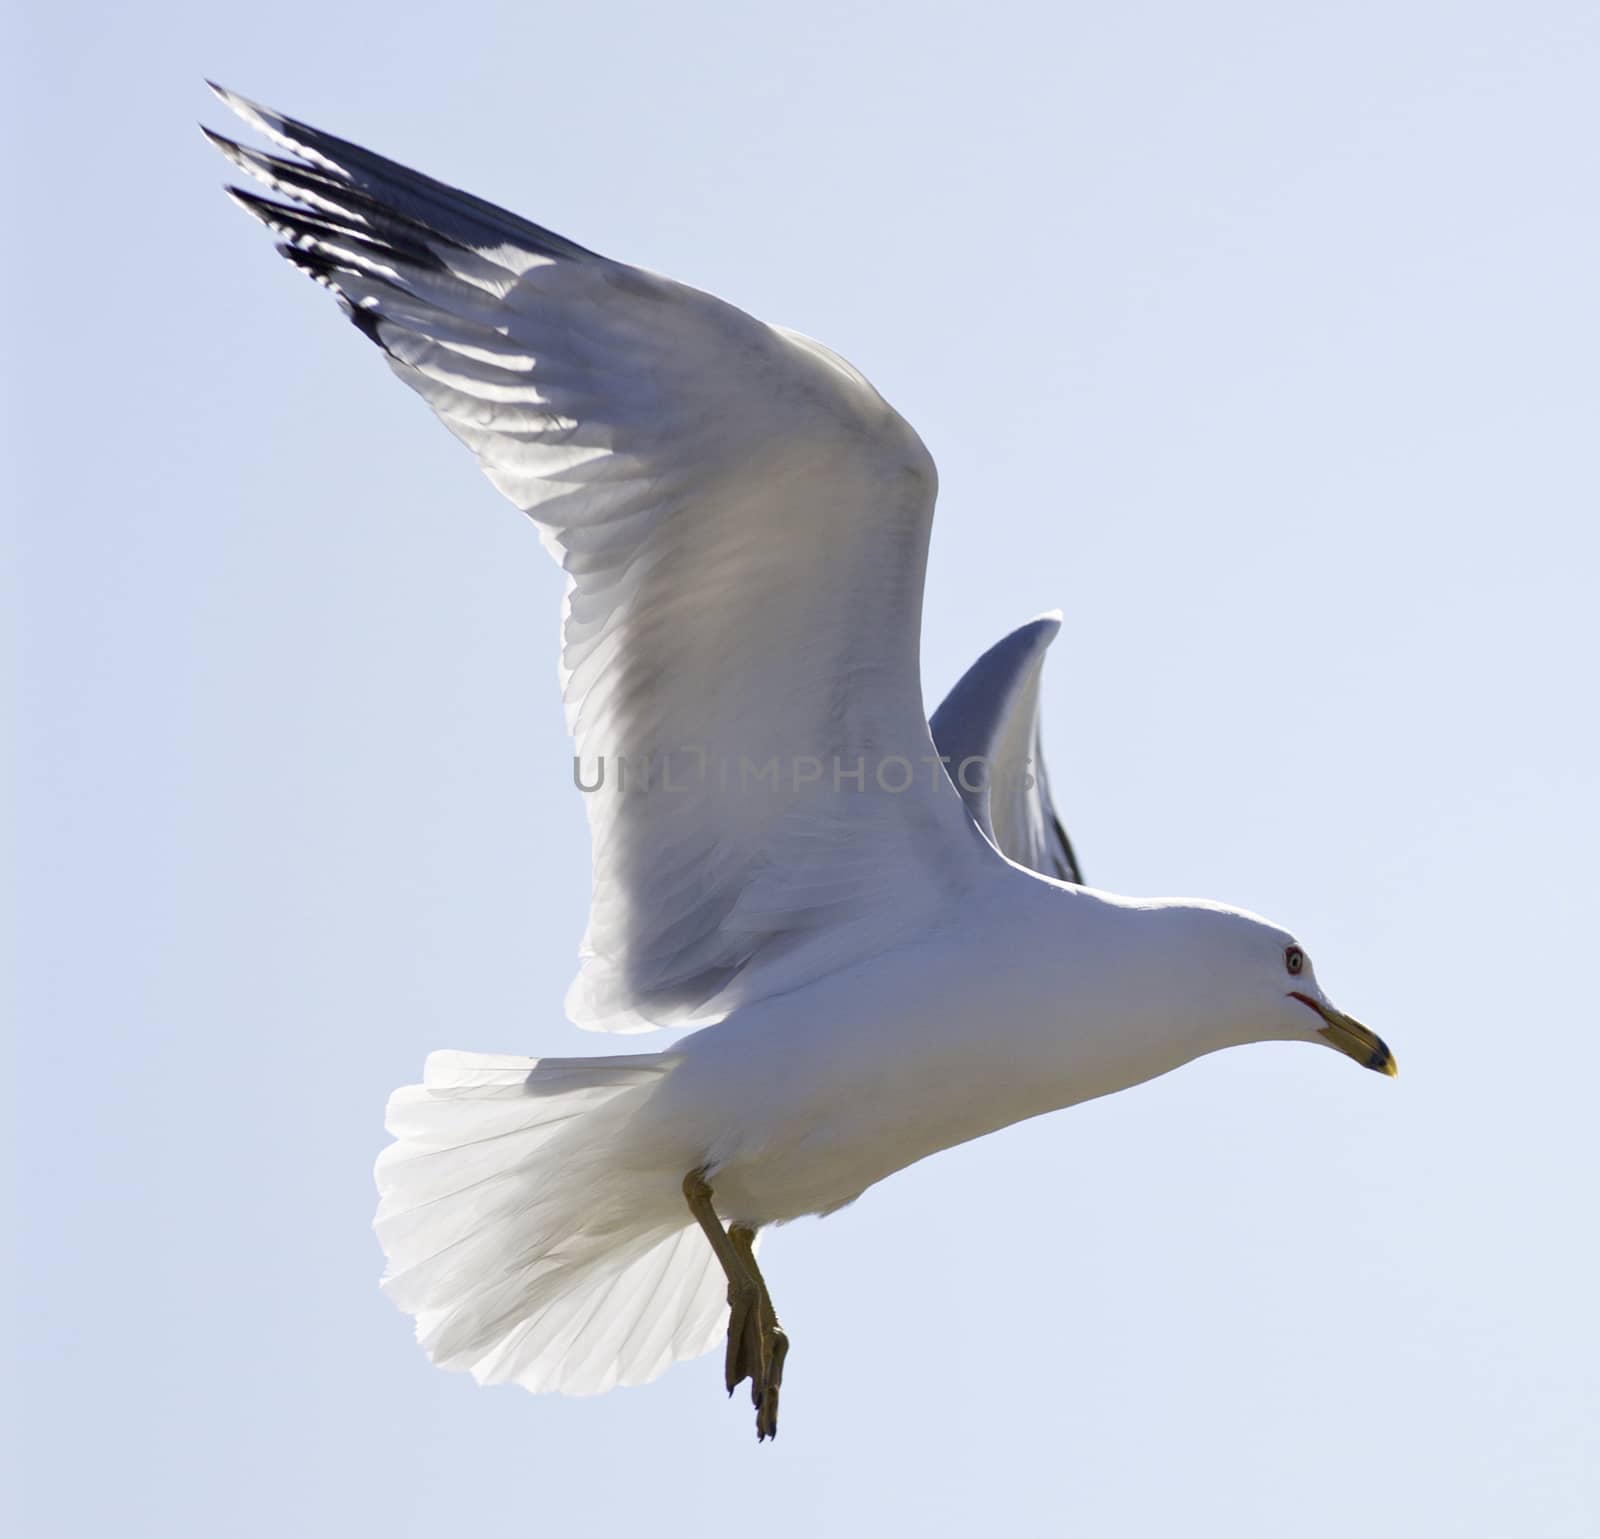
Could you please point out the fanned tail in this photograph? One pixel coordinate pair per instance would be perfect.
(528, 1243)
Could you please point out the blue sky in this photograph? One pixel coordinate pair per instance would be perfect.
(1261, 339)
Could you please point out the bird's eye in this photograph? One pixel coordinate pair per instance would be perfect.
(1295, 960)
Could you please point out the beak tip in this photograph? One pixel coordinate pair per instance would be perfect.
(1382, 1060)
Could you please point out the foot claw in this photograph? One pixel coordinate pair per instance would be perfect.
(764, 1391)
(767, 1414)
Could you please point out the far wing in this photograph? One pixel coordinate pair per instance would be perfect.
(988, 731)
(744, 523)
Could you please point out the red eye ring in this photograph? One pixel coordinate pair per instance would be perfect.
(1294, 959)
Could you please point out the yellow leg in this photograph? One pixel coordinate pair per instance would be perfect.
(765, 1395)
(757, 1345)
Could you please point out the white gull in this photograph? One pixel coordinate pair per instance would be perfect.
(876, 923)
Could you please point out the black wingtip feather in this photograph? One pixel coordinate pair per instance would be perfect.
(365, 321)
(330, 196)
(1066, 856)
(398, 191)
(386, 248)
(352, 206)
(323, 270)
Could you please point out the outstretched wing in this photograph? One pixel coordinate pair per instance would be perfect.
(743, 522)
(988, 731)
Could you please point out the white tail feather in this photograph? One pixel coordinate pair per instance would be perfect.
(527, 1245)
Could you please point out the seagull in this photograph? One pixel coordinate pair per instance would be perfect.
(874, 923)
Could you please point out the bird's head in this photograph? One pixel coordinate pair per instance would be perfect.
(1284, 1000)
(1317, 1018)
(1238, 978)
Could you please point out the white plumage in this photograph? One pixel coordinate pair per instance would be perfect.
(501, 1216)
(884, 960)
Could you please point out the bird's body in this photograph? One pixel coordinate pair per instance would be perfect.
(1021, 1006)
(876, 922)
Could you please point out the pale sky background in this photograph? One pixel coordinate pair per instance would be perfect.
(1260, 337)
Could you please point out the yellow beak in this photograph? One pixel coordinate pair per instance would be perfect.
(1353, 1039)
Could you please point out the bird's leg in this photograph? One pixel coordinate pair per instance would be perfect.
(747, 1346)
(775, 1343)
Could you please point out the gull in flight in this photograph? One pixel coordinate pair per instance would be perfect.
(874, 923)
